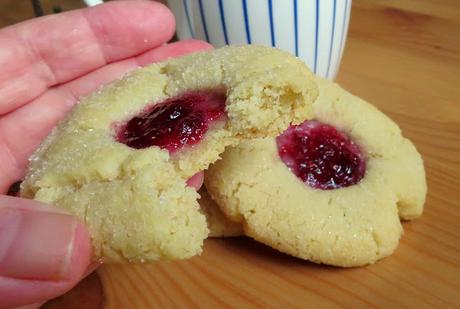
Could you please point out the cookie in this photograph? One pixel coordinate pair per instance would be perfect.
(218, 224)
(331, 190)
(121, 159)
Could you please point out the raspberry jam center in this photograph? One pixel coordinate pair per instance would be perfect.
(174, 123)
(321, 156)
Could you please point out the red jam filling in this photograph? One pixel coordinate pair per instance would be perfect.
(321, 156)
(174, 123)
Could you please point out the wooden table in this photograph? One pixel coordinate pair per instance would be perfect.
(15, 11)
(404, 56)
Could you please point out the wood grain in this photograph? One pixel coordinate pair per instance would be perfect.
(403, 56)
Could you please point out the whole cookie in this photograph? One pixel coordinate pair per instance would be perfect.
(218, 224)
(331, 190)
(121, 159)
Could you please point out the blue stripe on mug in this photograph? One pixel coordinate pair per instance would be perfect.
(246, 21)
(332, 39)
(222, 20)
(187, 15)
(296, 30)
(203, 20)
(313, 30)
(316, 36)
(272, 26)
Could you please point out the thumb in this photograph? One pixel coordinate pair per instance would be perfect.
(43, 251)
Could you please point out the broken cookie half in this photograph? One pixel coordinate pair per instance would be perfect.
(121, 159)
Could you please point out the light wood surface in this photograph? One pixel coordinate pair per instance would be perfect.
(403, 56)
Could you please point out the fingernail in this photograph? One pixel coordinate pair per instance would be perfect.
(196, 181)
(35, 244)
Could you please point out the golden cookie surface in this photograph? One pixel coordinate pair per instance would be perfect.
(349, 226)
(135, 202)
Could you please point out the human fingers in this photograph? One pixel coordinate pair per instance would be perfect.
(43, 251)
(47, 51)
(23, 130)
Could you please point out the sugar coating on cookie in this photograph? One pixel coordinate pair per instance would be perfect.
(121, 159)
(346, 226)
(218, 224)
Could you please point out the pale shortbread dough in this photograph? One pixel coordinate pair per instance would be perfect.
(218, 224)
(135, 203)
(350, 226)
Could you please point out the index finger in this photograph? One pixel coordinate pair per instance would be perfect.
(47, 51)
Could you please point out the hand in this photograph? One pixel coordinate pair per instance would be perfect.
(46, 64)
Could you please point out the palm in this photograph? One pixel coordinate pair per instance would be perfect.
(47, 64)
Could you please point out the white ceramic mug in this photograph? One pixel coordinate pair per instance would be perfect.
(93, 2)
(314, 30)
